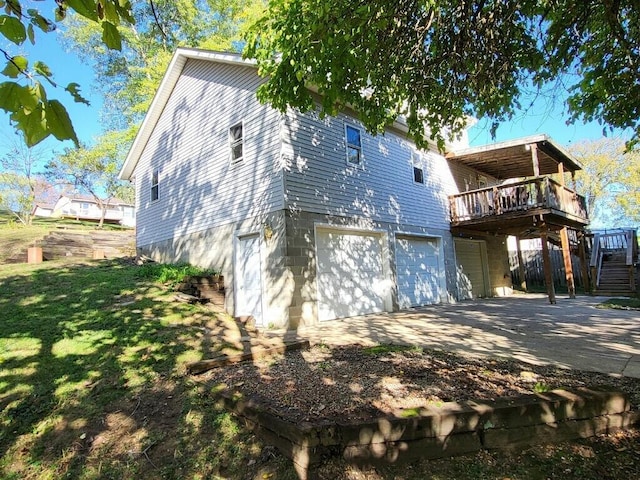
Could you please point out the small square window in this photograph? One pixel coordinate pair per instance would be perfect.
(418, 175)
(235, 142)
(354, 145)
(155, 182)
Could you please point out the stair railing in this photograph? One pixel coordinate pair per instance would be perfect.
(632, 254)
(595, 263)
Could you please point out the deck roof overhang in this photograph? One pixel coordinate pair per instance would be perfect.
(515, 158)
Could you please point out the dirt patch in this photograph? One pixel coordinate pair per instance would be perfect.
(363, 383)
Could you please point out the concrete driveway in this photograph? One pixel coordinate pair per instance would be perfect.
(571, 334)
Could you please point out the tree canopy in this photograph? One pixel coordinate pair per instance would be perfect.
(610, 182)
(436, 62)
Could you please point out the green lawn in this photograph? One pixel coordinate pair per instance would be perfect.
(92, 382)
(92, 386)
(621, 304)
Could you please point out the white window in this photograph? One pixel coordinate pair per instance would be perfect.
(155, 182)
(235, 142)
(354, 145)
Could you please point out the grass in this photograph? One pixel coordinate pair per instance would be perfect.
(92, 386)
(382, 349)
(621, 304)
(92, 376)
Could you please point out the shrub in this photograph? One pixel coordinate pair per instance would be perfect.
(172, 274)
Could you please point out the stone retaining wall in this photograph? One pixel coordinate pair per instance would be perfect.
(441, 431)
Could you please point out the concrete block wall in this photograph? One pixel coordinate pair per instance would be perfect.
(499, 268)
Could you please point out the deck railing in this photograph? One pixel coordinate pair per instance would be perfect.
(538, 192)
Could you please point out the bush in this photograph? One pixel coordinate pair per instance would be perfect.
(172, 274)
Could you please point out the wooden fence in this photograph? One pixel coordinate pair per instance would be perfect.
(534, 271)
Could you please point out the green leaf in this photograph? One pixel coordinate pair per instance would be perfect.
(39, 21)
(86, 8)
(74, 90)
(124, 9)
(15, 66)
(31, 34)
(60, 14)
(39, 92)
(13, 6)
(110, 12)
(12, 29)
(42, 69)
(10, 94)
(111, 37)
(32, 124)
(59, 123)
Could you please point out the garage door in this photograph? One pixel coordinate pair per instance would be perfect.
(350, 274)
(471, 272)
(417, 269)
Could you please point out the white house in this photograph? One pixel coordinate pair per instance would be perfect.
(42, 210)
(85, 207)
(309, 219)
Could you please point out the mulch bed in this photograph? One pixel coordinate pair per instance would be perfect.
(357, 383)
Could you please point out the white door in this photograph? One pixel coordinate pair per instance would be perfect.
(248, 278)
(471, 269)
(350, 274)
(417, 270)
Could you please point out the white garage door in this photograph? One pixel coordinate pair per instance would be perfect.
(417, 269)
(471, 275)
(350, 274)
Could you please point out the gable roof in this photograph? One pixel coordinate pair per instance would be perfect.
(163, 93)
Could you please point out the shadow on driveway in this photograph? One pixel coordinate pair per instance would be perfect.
(571, 334)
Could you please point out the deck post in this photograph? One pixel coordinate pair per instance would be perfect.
(521, 269)
(568, 267)
(561, 173)
(583, 262)
(534, 159)
(546, 260)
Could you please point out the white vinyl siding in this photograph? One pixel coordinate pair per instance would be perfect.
(201, 188)
(320, 181)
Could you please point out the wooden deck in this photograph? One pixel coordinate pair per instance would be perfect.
(511, 206)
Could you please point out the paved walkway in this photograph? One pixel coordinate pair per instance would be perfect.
(572, 334)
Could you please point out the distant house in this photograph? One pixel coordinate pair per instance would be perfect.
(312, 219)
(42, 210)
(84, 207)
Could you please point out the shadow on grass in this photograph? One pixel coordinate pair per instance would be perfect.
(91, 382)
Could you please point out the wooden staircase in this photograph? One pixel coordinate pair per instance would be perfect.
(614, 269)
